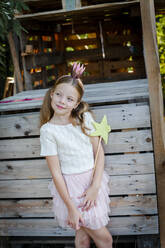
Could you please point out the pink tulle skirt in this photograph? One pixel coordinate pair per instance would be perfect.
(97, 216)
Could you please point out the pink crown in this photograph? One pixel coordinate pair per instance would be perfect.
(77, 70)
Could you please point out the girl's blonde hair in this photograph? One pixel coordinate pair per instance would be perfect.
(47, 112)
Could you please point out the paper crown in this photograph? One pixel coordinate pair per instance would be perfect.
(77, 70)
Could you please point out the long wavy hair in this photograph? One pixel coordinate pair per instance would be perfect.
(47, 112)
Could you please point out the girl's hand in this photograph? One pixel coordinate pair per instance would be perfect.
(74, 218)
(90, 198)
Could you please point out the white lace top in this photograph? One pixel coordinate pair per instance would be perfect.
(72, 146)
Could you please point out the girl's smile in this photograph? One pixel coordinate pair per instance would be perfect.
(60, 107)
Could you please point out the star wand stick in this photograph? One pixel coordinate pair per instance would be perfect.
(101, 129)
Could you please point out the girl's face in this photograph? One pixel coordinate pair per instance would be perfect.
(64, 99)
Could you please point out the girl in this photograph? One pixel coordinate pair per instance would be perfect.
(80, 197)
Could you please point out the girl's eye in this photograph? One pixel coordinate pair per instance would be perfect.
(57, 93)
(70, 99)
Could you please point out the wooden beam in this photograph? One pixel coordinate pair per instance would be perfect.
(27, 75)
(156, 104)
(15, 61)
(77, 11)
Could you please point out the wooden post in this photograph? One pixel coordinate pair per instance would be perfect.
(156, 104)
(43, 73)
(15, 61)
(70, 5)
(27, 75)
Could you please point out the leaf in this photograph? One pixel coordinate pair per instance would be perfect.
(2, 62)
(7, 19)
(21, 6)
(2, 49)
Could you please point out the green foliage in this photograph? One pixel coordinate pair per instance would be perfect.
(160, 29)
(8, 22)
(2, 58)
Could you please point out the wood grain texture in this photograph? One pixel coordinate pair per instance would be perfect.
(101, 93)
(42, 208)
(37, 188)
(156, 104)
(48, 227)
(121, 116)
(130, 141)
(132, 84)
(125, 164)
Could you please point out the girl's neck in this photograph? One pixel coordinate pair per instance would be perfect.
(61, 120)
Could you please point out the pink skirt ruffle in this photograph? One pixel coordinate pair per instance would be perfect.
(97, 216)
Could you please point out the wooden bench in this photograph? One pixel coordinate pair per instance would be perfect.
(25, 201)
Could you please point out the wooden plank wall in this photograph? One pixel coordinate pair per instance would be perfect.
(25, 202)
(56, 46)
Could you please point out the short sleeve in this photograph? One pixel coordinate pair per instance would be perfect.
(48, 143)
(88, 120)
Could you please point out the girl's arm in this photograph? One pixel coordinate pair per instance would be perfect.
(100, 162)
(74, 215)
(92, 192)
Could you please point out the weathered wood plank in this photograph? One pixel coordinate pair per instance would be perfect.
(119, 185)
(119, 117)
(132, 184)
(48, 227)
(136, 225)
(130, 141)
(92, 98)
(100, 93)
(25, 124)
(140, 163)
(139, 83)
(124, 205)
(35, 104)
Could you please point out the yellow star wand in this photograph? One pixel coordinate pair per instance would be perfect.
(101, 129)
